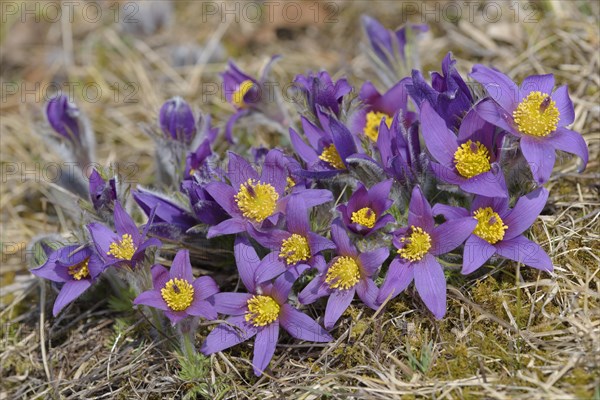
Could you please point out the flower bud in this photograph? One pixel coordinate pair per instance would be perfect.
(63, 117)
(177, 120)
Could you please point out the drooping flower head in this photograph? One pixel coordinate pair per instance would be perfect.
(75, 266)
(321, 93)
(260, 313)
(251, 198)
(468, 160)
(365, 211)
(366, 120)
(127, 246)
(327, 150)
(349, 272)
(295, 249)
(178, 294)
(499, 230)
(418, 245)
(534, 114)
(177, 120)
(448, 93)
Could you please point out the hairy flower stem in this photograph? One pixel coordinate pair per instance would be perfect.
(186, 332)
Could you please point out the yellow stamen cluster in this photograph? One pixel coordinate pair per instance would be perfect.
(343, 274)
(417, 244)
(238, 96)
(256, 201)
(124, 249)
(490, 226)
(262, 310)
(295, 249)
(290, 183)
(537, 115)
(471, 159)
(365, 217)
(373, 122)
(178, 294)
(331, 156)
(80, 271)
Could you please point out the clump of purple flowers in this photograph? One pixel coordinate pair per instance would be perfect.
(389, 186)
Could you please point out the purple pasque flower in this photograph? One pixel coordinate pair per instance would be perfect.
(244, 93)
(127, 245)
(327, 149)
(418, 245)
(448, 94)
(75, 266)
(177, 293)
(367, 119)
(321, 92)
(177, 120)
(349, 272)
(468, 160)
(295, 249)
(204, 206)
(534, 114)
(260, 312)
(364, 212)
(63, 116)
(252, 199)
(102, 193)
(499, 230)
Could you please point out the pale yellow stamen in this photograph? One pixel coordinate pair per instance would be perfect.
(256, 201)
(537, 115)
(417, 244)
(295, 249)
(124, 249)
(178, 294)
(343, 274)
(472, 159)
(490, 226)
(365, 216)
(262, 310)
(331, 156)
(80, 271)
(238, 96)
(373, 122)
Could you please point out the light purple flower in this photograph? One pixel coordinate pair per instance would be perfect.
(468, 160)
(418, 245)
(253, 199)
(499, 230)
(349, 272)
(76, 266)
(127, 245)
(327, 149)
(260, 313)
(178, 294)
(534, 114)
(295, 249)
(364, 212)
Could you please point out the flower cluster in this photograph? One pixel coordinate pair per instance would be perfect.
(374, 192)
